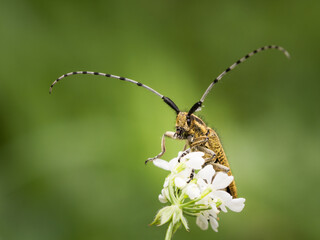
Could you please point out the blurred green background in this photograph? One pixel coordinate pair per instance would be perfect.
(72, 163)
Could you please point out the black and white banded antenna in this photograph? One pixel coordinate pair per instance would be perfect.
(164, 98)
(241, 60)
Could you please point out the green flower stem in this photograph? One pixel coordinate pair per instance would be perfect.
(184, 205)
(169, 232)
(205, 193)
(172, 192)
(191, 214)
(196, 209)
(182, 195)
(180, 167)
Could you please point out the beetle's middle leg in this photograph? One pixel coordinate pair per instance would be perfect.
(193, 145)
(168, 134)
(199, 141)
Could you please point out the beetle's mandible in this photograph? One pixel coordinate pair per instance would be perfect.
(189, 127)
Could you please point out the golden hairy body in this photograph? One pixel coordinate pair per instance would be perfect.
(203, 138)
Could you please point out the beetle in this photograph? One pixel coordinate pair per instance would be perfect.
(189, 127)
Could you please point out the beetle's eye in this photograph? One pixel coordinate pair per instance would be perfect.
(188, 121)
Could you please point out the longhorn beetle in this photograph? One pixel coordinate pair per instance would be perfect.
(189, 127)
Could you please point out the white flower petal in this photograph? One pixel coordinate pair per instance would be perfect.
(180, 182)
(202, 222)
(205, 180)
(214, 223)
(194, 160)
(195, 163)
(202, 184)
(162, 164)
(185, 173)
(223, 208)
(162, 198)
(236, 204)
(222, 195)
(166, 182)
(193, 191)
(173, 163)
(214, 211)
(206, 173)
(221, 181)
(194, 155)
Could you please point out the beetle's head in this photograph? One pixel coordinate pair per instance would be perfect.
(184, 124)
(188, 124)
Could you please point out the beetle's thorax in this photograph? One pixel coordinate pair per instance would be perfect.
(189, 125)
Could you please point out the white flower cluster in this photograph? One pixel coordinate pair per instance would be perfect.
(195, 191)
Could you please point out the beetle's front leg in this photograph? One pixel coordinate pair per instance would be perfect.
(169, 134)
(184, 153)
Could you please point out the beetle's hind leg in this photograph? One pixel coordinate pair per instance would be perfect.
(212, 160)
(218, 167)
(209, 152)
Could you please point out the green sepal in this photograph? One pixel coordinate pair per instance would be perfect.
(163, 216)
(184, 222)
(176, 227)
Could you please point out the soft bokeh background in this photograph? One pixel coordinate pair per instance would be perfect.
(72, 163)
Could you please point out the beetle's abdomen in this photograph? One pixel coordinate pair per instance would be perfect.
(215, 145)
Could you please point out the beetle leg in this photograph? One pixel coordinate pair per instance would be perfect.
(191, 176)
(193, 146)
(208, 151)
(218, 167)
(169, 134)
(185, 147)
(211, 160)
(199, 141)
(184, 153)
